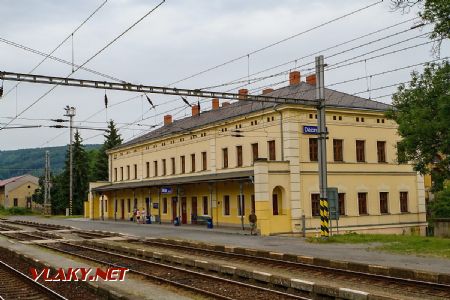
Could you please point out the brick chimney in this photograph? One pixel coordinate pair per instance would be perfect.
(266, 91)
(311, 79)
(294, 78)
(215, 103)
(225, 104)
(167, 119)
(195, 110)
(243, 94)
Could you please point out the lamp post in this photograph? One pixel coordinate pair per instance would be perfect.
(70, 112)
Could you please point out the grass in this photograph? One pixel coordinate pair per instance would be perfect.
(401, 244)
(14, 211)
(66, 217)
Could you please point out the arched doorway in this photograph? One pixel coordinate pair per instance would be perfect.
(277, 201)
(103, 206)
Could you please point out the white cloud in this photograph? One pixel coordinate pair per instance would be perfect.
(179, 39)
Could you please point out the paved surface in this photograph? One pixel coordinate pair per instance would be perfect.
(234, 237)
(131, 288)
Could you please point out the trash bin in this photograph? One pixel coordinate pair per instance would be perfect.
(209, 223)
(176, 221)
(148, 220)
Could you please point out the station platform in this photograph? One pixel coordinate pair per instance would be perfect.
(362, 253)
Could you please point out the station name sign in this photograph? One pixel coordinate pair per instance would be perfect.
(166, 190)
(310, 130)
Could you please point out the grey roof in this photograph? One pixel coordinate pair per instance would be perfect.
(176, 181)
(303, 91)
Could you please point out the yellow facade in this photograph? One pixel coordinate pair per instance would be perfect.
(280, 188)
(17, 192)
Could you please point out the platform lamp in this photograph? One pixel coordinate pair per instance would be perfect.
(70, 112)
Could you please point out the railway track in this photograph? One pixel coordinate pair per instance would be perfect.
(23, 236)
(16, 285)
(200, 283)
(5, 227)
(39, 226)
(401, 286)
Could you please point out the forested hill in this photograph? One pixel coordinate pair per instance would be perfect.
(32, 161)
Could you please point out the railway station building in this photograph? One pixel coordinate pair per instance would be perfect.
(243, 156)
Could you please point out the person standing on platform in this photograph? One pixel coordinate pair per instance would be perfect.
(134, 214)
(144, 216)
(138, 216)
(252, 219)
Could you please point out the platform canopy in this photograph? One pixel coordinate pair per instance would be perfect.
(241, 175)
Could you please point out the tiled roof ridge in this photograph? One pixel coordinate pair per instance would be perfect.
(10, 180)
(301, 91)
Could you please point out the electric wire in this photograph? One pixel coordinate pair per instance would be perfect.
(276, 43)
(61, 43)
(328, 56)
(90, 59)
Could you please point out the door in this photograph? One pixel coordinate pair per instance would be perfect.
(183, 211)
(194, 210)
(174, 208)
(29, 202)
(147, 206)
(122, 209)
(275, 204)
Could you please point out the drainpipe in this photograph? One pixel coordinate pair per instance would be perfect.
(211, 201)
(281, 130)
(102, 197)
(115, 206)
(179, 206)
(241, 202)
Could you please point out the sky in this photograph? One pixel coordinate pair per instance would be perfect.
(182, 38)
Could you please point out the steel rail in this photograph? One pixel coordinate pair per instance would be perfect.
(397, 280)
(30, 281)
(158, 278)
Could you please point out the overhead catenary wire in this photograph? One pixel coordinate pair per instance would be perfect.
(62, 42)
(276, 43)
(376, 74)
(359, 37)
(242, 79)
(57, 59)
(373, 56)
(90, 58)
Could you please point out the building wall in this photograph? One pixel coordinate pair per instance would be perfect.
(19, 192)
(291, 174)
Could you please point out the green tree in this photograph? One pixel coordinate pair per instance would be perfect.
(80, 168)
(422, 112)
(112, 139)
(38, 195)
(440, 207)
(59, 194)
(436, 12)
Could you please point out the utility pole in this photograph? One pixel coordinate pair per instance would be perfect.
(70, 112)
(322, 140)
(47, 184)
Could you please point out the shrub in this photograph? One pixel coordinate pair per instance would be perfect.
(440, 206)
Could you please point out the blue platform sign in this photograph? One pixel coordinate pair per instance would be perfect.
(166, 190)
(310, 130)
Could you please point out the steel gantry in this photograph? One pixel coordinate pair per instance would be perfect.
(147, 89)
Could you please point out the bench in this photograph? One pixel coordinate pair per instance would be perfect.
(202, 220)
